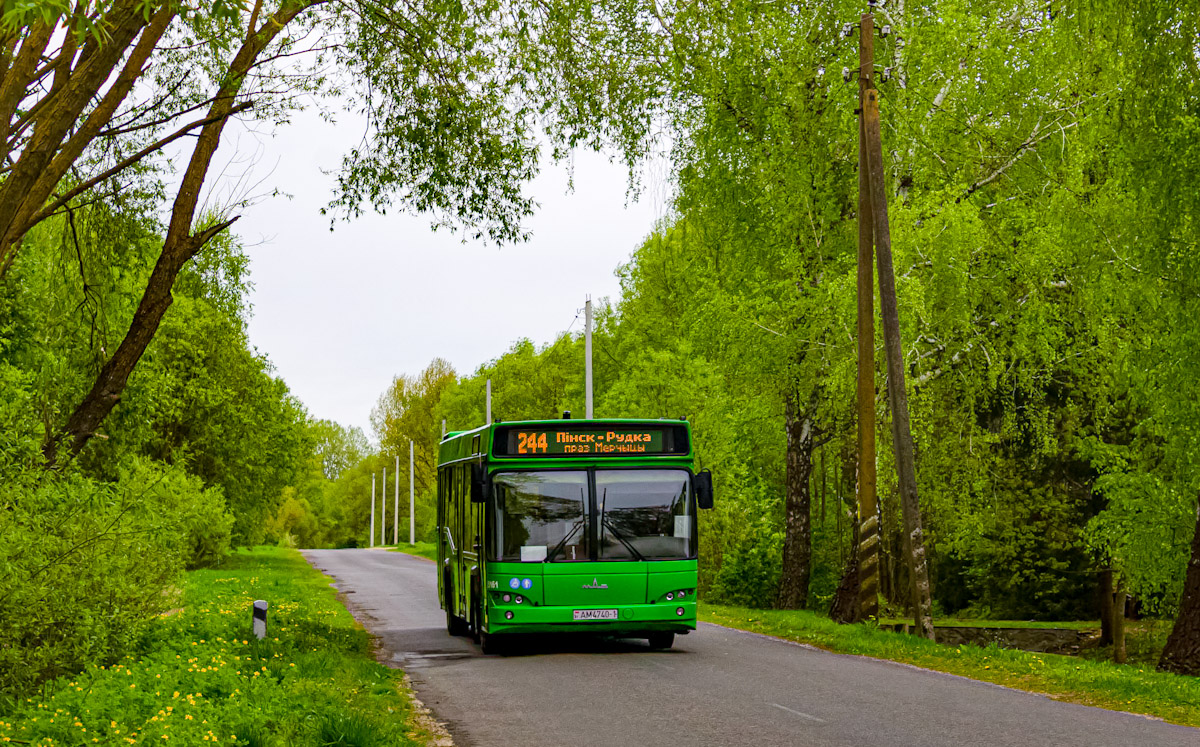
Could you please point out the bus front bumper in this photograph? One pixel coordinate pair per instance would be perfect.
(630, 619)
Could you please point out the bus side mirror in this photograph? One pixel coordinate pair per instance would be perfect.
(704, 489)
(479, 484)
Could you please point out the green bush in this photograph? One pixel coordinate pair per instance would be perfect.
(85, 565)
(749, 576)
(195, 520)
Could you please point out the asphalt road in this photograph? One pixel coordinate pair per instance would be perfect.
(716, 687)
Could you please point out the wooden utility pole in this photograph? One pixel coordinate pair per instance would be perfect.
(868, 509)
(902, 441)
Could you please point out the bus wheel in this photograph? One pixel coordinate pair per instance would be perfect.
(490, 644)
(454, 623)
(661, 640)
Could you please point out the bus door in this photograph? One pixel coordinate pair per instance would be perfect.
(443, 550)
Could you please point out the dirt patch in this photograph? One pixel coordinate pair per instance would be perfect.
(425, 725)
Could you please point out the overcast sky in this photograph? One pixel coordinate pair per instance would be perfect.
(340, 314)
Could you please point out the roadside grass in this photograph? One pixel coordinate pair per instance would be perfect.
(1144, 643)
(1134, 688)
(201, 677)
(427, 550)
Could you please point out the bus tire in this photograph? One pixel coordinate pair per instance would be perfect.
(492, 644)
(489, 643)
(476, 622)
(454, 623)
(661, 641)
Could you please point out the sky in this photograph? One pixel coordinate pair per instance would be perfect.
(340, 313)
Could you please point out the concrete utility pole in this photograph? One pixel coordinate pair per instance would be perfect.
(412, 501)
(383, 509)
(587, 352)
(489, 401)
(868, 508)
(371, 535)
(396, 505)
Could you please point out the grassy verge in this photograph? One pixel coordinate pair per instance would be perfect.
(1138, 689)
(426, 550)
(201, 677)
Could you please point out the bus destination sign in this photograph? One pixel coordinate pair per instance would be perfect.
(586, 442)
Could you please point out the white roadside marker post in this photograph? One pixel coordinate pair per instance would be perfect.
(259, 618)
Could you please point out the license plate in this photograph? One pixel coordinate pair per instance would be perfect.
(595, 614)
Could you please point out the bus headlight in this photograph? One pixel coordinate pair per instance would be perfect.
(520, 599)
(508, 615)
(679, 611)
(507, 597)
(670, 596)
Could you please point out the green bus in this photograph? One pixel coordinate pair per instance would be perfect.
(552, 526)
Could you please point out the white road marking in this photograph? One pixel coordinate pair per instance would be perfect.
(798, 713)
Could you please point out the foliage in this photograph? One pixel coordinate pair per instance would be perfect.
(749, 575)
(86, 565)
(198, 673)
(337, 447)
(1031, 271)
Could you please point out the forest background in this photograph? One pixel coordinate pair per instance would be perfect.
(1041, 165)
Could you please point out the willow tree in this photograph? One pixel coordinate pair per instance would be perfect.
(455, 95)
(1156, 145)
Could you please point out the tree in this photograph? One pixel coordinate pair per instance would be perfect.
(338, 447)
(454, 95)
(407, 412)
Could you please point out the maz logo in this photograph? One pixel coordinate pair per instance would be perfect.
(595, 584)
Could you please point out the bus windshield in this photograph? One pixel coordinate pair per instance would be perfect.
(634, 514)
(541, 516)
(643, 514)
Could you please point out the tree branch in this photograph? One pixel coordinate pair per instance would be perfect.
(131, 160)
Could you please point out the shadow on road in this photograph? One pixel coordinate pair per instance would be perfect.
(548, 644)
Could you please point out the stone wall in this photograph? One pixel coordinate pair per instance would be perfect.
(1038, 640)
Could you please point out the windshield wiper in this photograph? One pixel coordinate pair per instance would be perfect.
(578, 525)
(622, 540)
(604, 521)
(562, 543)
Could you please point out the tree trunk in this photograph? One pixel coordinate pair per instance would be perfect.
(1118, 623)
(797, 538)
(846, 606)
(1182, 652)
(902, 441)
(179, 246)
(1106, 607)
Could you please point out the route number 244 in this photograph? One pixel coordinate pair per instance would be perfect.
(531, 443)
